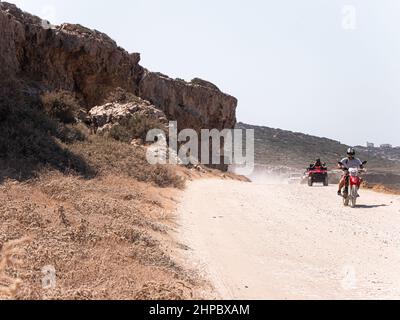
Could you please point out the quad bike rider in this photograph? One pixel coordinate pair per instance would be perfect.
(351, 166)
(317, 165)
(317, 172)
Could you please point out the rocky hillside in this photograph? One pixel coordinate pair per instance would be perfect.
(297, 150)
(91, 65)
(387, 153)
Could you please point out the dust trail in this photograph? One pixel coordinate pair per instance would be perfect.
(269, 178)
(269, 174)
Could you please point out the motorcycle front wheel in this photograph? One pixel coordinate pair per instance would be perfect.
(354, 192)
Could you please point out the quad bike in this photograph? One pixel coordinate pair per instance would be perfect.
(353, 183)
(317, 175)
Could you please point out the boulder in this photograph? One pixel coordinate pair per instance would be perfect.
(104, 117)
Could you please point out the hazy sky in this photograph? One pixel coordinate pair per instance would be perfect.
(314, 66)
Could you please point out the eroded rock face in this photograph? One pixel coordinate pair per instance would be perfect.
(90, 64)
(68, 57)
(193, 105)
(12, 37)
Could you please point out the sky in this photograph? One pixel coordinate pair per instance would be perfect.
(329, 68)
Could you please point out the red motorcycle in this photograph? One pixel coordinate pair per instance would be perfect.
(353, 184)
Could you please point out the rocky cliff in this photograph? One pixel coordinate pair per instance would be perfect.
(90, 64)
(196, 105)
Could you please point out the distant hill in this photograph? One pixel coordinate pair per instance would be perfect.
(298, 150)
(387, 153)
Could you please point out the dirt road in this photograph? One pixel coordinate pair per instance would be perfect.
(277, 241)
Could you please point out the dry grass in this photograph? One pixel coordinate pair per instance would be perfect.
(160, 291)
(94, 208)
(10, 256)
(107, 237)
(388, 189)
(107, 156)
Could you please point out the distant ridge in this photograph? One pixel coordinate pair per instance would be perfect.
(297, 150)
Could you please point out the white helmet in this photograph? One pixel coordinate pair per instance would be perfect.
(351, 152)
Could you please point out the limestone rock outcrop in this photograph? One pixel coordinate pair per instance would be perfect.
(193, 105)
(104, 117)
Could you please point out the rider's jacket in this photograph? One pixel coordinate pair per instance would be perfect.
(351, 163)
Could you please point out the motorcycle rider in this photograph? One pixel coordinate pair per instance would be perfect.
(345, 164)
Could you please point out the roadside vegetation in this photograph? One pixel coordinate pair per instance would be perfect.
(90, 206)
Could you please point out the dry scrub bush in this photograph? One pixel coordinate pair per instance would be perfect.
(108, 156)
(135, 128)
(61, 105)
(120, 95)
(30, 139)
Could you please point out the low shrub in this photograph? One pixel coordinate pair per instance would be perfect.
(31, 140)
(61, 105)
(136, 128)
(107, 156)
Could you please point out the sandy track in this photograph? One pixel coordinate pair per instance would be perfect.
(265, 241)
